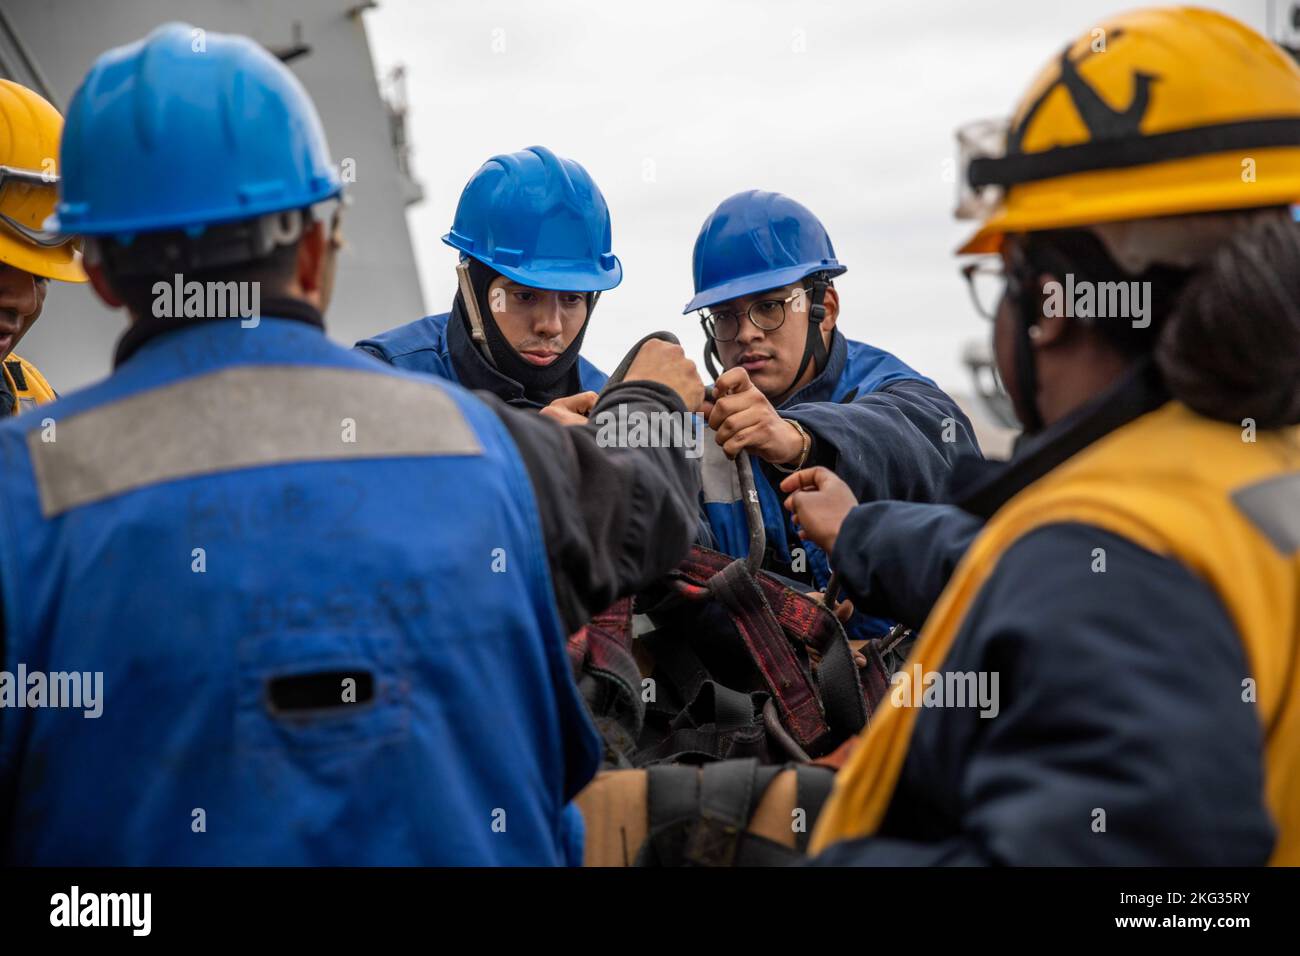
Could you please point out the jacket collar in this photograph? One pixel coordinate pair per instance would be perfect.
(982, 487)
(150, 327)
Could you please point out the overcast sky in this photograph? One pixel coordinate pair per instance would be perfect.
(672, 106)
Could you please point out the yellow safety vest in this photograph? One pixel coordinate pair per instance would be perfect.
(1179, 485)
(26, 384)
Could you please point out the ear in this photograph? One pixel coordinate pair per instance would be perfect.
(1052, 325)
(309, 271)
(103, 288)
(831, 302)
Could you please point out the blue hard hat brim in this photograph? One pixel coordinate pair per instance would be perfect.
(759, 282)
(192, 219)
(553, 275)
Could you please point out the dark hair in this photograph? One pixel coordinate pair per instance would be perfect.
(1231, 350)
(262, 250)
(1081, 252)
(274, 273)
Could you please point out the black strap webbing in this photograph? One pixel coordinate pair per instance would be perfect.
(727, 790)
(711, 357)
(672, 794)
(1133, 151)
(699, 816)
(732, 709)
(16, 370)
(702, 744)
(841, 688)
(753, 850)
(812, 789)
(729, 794)
(1026, 370)
(769, 648)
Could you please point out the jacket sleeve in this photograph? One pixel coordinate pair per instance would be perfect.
(895, 557)
(615, 519)
(897, 442)
(1121, 736)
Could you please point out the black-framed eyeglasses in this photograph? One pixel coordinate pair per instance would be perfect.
(12, 178)
(986, 279)
(766, 314)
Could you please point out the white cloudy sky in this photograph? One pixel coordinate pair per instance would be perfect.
(673, 105)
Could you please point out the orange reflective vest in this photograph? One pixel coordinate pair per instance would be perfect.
(1218, 498)
(26, 384)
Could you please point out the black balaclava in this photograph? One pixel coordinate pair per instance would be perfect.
(541, 385)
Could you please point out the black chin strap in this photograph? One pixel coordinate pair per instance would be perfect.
(1026, 372)
(814, 349)
(710, 354)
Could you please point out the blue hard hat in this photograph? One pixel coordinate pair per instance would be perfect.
(186, 129)
(539, 220)
(755, 241)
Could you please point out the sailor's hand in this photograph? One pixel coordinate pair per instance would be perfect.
(819, 501)
(843, 610)
(571, 409)
(743, 418)
(667, 364)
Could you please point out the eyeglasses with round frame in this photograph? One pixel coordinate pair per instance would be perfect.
(767, 315)
(986, 280)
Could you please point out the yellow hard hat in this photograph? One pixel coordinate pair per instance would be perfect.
(1152, 113)
(29, 155)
